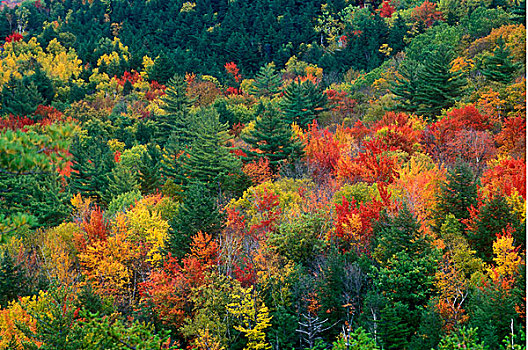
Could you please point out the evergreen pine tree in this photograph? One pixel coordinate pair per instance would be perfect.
(267, 82)
(11, 279)
(121, 180)
(163, 69)
(394, 329)
(198, 212)
(519, 12)
(302, 102)
(175, 121)
(438, 88)
(457, 193)
(92, 165)
(406, 85)
(209, 161)
(272, 137)
(499, 66)
(19, 97)
(149, 170)
(44, 84)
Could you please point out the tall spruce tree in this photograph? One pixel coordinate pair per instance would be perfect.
(272, 137)
(499, 66)
(457, 193)
(209, 160)
(198, 212)
(406, 85)
(267, 82)
(438, 88)
(302, 102)
(175, 120)
(149, 170)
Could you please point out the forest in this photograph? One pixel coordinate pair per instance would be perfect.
(263, 174)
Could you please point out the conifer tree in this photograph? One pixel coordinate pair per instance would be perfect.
(272, 137)
(499, 66)
(175, 120)
(209, 161)
(149, 170)
(92, 164)
(302, 102)
(438, 88)
(405, 86)
(11, 279)
(121, 180)
(457, 193)
(267, 82)
(198, 212)
(19, 97)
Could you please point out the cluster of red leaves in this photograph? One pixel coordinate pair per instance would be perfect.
(512, 138)
(464, 129)
(340, 101)
(167, 288)
(267, 205)
(13, 37)
(372, 164)
(507, 176)
(353, 225)
(14, 123)
(232, 69)
(155, 90)
(258, 171)
(386, 9)
(322, 150)
(427, 14)
(133, 77)
(94, 227)
(48, 115)
(396, 131)
(232, 91)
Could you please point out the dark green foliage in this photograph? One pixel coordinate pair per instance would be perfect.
(394, 327)
(209, 160)
(127, 87)
(11, 279)
(458, 192)
(273, 137)
(19, 97)
(499, 66)
(198, 212)
(43, 84)
(518, 13)
(405, 86)
(302, 102)
(121, 180)
(406, 275)
(175, 122)
(149, 170)
(163, 69)
(438, 88)
(267, 82)
(92, 165)
(494, 216)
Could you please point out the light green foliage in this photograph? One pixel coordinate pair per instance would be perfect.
(358, 340)
(123, 201)
(464, 339)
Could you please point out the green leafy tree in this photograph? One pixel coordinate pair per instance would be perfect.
(122, 179)
(463, 339)
(272, 137)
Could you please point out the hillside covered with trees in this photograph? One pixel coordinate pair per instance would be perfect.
(264, 174)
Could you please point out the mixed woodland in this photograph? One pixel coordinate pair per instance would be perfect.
(264, 174)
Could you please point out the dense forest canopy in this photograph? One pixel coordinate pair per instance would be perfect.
(264, 174)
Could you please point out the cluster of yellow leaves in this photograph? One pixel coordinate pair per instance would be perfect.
(507, 258)
(419, 183)
(20, 312)
(253, 318)
(57, 62)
